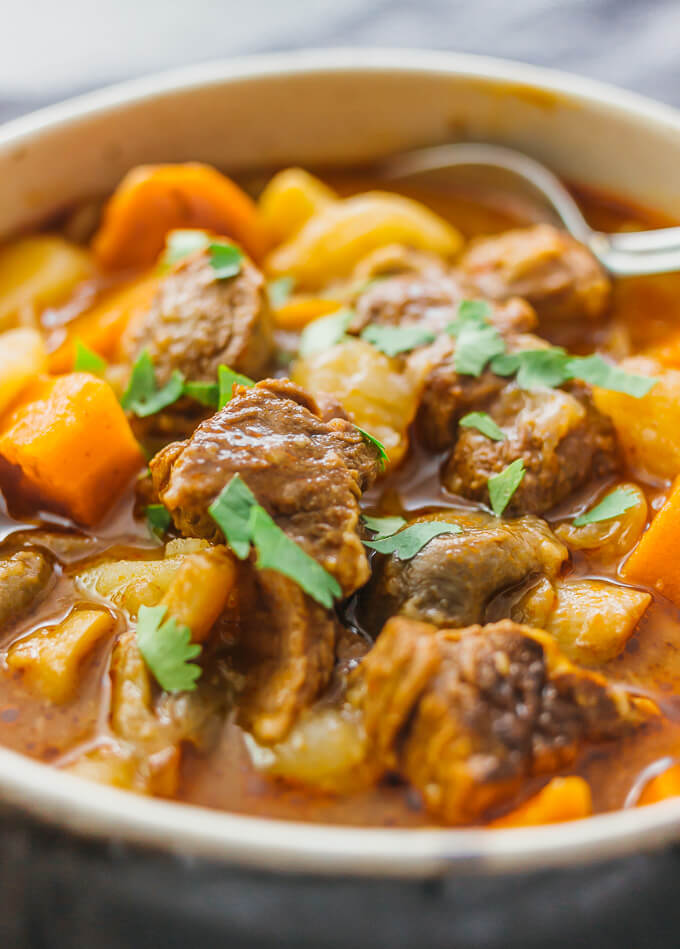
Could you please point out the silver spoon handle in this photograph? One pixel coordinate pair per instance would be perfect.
(646, 242)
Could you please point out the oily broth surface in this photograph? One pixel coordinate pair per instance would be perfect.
(644, 309)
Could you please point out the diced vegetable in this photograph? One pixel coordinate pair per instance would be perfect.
(300, 310)
(68, 443)
(154, 199)
(334, 239)
(290, 199)
(648, 428)
(612, 537)
(22, 358)
(36, 272)
(562, 799)
(50, 658)
(663, 786)
(200, 590)
(381, 397)
(101, 327)
(656, 559)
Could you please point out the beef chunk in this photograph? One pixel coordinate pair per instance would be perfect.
(557, 275)
(562, 438)
(307, 473)
(452, 579)
(467, 715)
(196, 322)
(24, 576)
(432, 298)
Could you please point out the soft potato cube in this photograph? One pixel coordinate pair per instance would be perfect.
(336, 238)
(290, 199)
(36, 272)
(69, 443)
(22, 358)
(380, 395)
(49, 659)
(113, 765)
(199, 591)
(648, 428)
(613, 537)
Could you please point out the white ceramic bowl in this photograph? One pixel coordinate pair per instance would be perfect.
(333, 107)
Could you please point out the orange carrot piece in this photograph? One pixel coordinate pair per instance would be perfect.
(101, 327)
(154, 199)
(663, 786)
(656, 559)
(68, 444)
(297, 312)
(562, 799)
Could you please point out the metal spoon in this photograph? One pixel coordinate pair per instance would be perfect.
(628, 254)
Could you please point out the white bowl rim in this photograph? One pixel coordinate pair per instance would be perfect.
(284, 846)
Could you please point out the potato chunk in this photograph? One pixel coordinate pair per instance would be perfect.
(611, 538)
(22, 358)
(381, 397)
(648, 428)
(50, 658)
(200, 589)
(290, 199)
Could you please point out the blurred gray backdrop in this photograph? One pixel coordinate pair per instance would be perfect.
(53, 48)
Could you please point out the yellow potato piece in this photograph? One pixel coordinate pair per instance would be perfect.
(200, 590)
(290, 199)
(36, 272)
(613, 537)
(22, 357)
(50, 658)
(381, 397)
(335, 239)
(649, 428)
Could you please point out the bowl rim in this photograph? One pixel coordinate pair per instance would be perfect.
(94, 810)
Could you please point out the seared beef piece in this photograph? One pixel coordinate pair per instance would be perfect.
(451, 580)
(307, 473)
(196, 322)
(467, 715)
(24, 576)
(432, 299)
(547, 267)
(562, 438)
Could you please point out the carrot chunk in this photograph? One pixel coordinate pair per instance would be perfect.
(656, 559)
(68, 444)
(154, 199)
(562, 799)
(663, 786)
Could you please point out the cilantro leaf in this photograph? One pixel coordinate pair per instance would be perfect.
(276, 551)
(407, 542)
(614, 504)
(383, 457)
(502, 486)
(180, 244)
(278, 291)
(225, 259)
(231, 512)
(483, 422)
(158, 518)
(325, 332)
(470, 311)
(142, 397)
(393, 340)
(383, 526)
(167, 650)
(88, 361)
(535, 367)
(227, 377)
(598, 372)
(475, 346)
(207, 393)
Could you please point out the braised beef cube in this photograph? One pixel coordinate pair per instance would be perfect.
(24, 577)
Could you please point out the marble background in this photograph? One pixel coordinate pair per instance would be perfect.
(49, 49)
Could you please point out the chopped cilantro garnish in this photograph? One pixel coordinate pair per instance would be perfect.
(88, 361)
(470, 311)
(279, 291)
(142, 396)
(502, 486)
(207, 393)
(534, 367)
(225, 259)
(614, 504)
(243, 521)
(407, 542)
(483, 422)
(158, 518)
(167, 649)
(475, 346)
(393, 340)
(227, 377)
(383, 457)
(383, 526)
(325, 332)
(598, 372)
(180, 244)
